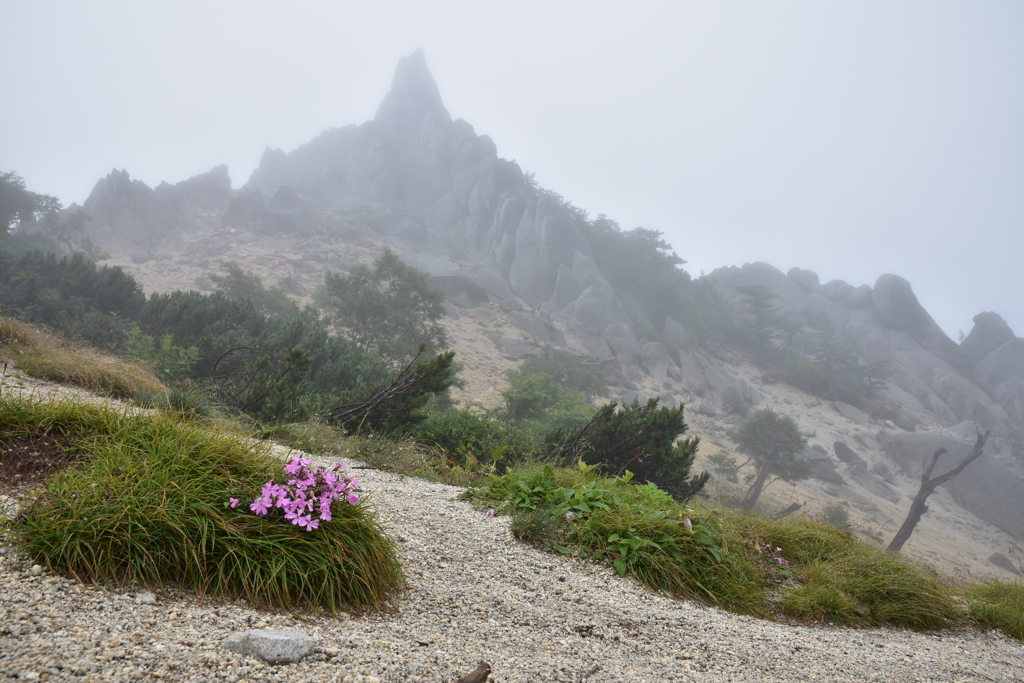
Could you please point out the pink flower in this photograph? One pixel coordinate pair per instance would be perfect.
(353, 499)
(233, 501)
(489, 513)
(688, 524)
(260, 506)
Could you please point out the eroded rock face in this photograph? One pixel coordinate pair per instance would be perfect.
(127, 215)
(456, 197)
(932, 378)
(896, 307)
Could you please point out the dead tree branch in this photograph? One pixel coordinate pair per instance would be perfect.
(928, 485)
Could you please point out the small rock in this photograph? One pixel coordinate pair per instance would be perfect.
(273, 647)
(36, 570)
(145, 598)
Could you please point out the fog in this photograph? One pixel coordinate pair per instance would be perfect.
(852, 139)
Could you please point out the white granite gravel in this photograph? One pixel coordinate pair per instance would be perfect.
(475, 595)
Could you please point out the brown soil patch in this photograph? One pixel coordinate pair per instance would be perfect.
(28, 460)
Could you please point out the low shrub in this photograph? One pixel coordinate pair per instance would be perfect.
(456, 432)
(146, 503)
(837, 515)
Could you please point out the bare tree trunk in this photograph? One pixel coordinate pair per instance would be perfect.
(754, 492)
(918, 507)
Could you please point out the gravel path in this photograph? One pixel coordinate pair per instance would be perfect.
(475, 595)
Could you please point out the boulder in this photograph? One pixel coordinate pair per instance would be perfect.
(880, 489)
(821, 466)
(707, 409)
(728, 280)
(846, 454)
(538, 328)
(805, 278)
(859, 297)
(1003, 562)
(461, 290)
(867, 442)
(836, 290)
(273, 647)
(1001, 373)
(673, 331)
(656, 360)
(851, 413)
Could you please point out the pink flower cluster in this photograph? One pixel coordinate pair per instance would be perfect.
(308, 494)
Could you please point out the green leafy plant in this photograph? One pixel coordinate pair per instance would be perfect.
(734, 402)
(638, 529)
(566, 370)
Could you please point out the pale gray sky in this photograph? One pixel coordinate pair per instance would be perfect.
(849, 138)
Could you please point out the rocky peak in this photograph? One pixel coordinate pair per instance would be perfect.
(990, 332)
(897, 307)
(414, 92)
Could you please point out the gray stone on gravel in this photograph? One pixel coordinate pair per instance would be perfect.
(273, 647)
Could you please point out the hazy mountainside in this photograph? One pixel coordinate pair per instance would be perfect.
(522, 278)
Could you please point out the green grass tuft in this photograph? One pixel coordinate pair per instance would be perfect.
(797, 567)
(145, 504)
(869, 587)
(45, 355)
(999, 604)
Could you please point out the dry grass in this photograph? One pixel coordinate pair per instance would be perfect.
(40, 353)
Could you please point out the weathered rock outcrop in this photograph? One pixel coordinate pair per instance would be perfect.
(128, 216)
(455, 196)
(933, 378)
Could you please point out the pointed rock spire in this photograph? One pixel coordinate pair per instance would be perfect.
(413, 91)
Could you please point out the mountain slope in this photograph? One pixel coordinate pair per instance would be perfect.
(521, 279)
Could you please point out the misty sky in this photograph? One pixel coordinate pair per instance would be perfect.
(852, 139)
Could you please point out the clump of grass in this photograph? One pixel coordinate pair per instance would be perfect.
(869, 587)
(798, 567)
(145, 503)
(639, 530)
(999, 604)
(43, 354)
